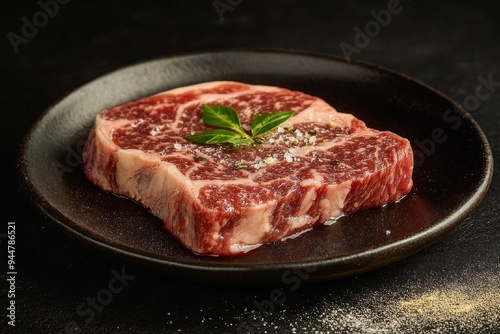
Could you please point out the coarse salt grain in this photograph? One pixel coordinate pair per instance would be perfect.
(156, 130)
(288, 155)
(177, 146)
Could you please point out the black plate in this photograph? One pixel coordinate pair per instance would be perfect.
(453, 167)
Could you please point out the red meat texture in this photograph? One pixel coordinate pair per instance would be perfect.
(222, 200)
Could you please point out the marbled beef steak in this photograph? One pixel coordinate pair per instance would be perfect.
(222, 200)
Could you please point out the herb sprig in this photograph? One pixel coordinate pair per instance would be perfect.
(231, 130)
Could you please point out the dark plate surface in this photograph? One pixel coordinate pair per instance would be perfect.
(453, 167)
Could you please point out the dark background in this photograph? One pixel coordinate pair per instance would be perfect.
(446, 45)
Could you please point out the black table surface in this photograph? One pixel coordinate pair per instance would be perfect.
(62, 285)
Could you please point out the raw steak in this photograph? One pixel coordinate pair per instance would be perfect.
(220, 200)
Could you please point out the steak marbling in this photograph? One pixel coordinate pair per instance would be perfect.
(219, 200)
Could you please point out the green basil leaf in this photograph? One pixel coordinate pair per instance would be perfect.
(219, 136)
(265, 123)
(221, 116)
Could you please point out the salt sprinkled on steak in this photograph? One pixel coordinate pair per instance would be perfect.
(221, 200)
